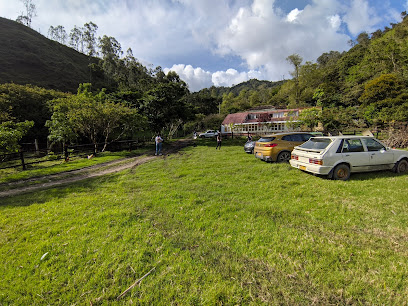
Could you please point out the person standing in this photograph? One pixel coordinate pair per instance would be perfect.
(218, 141)
(159, 143)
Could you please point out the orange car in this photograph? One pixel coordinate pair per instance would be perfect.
(277, 147)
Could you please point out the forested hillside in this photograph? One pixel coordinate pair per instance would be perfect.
(27, 57)
(364, 87)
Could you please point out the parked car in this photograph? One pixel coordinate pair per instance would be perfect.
(249, 146)
(277, 147)
(339, 156)
(208, 134)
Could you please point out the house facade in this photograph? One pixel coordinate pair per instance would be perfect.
(260, 122)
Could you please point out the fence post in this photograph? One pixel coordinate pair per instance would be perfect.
(37, 148)
(22, 159)
(66, 152)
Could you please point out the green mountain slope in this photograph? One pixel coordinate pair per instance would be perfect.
(27, 57)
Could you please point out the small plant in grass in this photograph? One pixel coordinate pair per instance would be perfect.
(52, 156)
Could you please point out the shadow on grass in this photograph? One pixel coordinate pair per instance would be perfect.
(363, 176)
(68, 190)
(226, 142)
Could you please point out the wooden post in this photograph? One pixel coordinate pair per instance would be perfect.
(37, 148)
(22, 159)
(66, 152)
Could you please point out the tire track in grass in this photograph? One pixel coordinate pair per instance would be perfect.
(89, 172)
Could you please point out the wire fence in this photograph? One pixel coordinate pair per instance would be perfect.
(35, 153)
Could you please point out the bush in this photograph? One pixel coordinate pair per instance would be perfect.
(397, 137)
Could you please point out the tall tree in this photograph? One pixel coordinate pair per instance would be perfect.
(296, 61)
(30, 12)
(57, 33)
(111, 51)
(163, 105)
(76, 39)
(89, 38)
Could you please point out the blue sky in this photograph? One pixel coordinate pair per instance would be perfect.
(220, 42)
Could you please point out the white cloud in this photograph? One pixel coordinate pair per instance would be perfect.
(292, 16)
(335, 21)
(231, 77)
(264, 37)
(196, 78)
(361, 17)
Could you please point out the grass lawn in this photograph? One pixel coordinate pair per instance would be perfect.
(219, 227)
(59, 166)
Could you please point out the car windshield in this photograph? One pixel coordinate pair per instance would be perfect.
(316, 143)
(266, 139)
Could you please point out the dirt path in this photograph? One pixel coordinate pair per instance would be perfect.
(88, 172)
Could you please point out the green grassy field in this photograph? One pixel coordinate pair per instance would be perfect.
(219, 227)
(59, 166)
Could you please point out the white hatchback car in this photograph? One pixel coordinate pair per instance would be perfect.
(338, 156)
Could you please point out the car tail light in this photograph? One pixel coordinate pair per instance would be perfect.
(315, 161)
(295, 157)
(270, 145)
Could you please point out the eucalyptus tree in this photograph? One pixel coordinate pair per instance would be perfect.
(58, 33)
(110, 51)
(89, 38)
(76, 39)
(30, 12)
(296, 61)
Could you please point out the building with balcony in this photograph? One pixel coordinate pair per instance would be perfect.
(260, 122)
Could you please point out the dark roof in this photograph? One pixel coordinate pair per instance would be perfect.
(235, 118)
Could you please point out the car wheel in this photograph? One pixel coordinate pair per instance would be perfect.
(341, 172)
(401, 166)
(283, 157)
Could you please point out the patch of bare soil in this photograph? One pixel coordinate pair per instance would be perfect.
(64, 178)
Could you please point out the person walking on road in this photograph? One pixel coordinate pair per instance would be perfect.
(159, 143)
(218, 141)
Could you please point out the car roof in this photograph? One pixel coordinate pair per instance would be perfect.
(285, 133)
(344, 136)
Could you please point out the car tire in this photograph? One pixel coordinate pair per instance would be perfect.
(341, 172)
(283, 157)
(401, 166)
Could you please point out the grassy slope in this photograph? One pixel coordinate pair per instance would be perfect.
(27, 57)
(219, 226)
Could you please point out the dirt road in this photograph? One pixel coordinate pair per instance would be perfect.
(64, 178)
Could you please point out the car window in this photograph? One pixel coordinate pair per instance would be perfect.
(306, 137)
(297, 137)
(266, 139)
(372, 144)
(287, 138)
(352, 145)
(316, 143)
